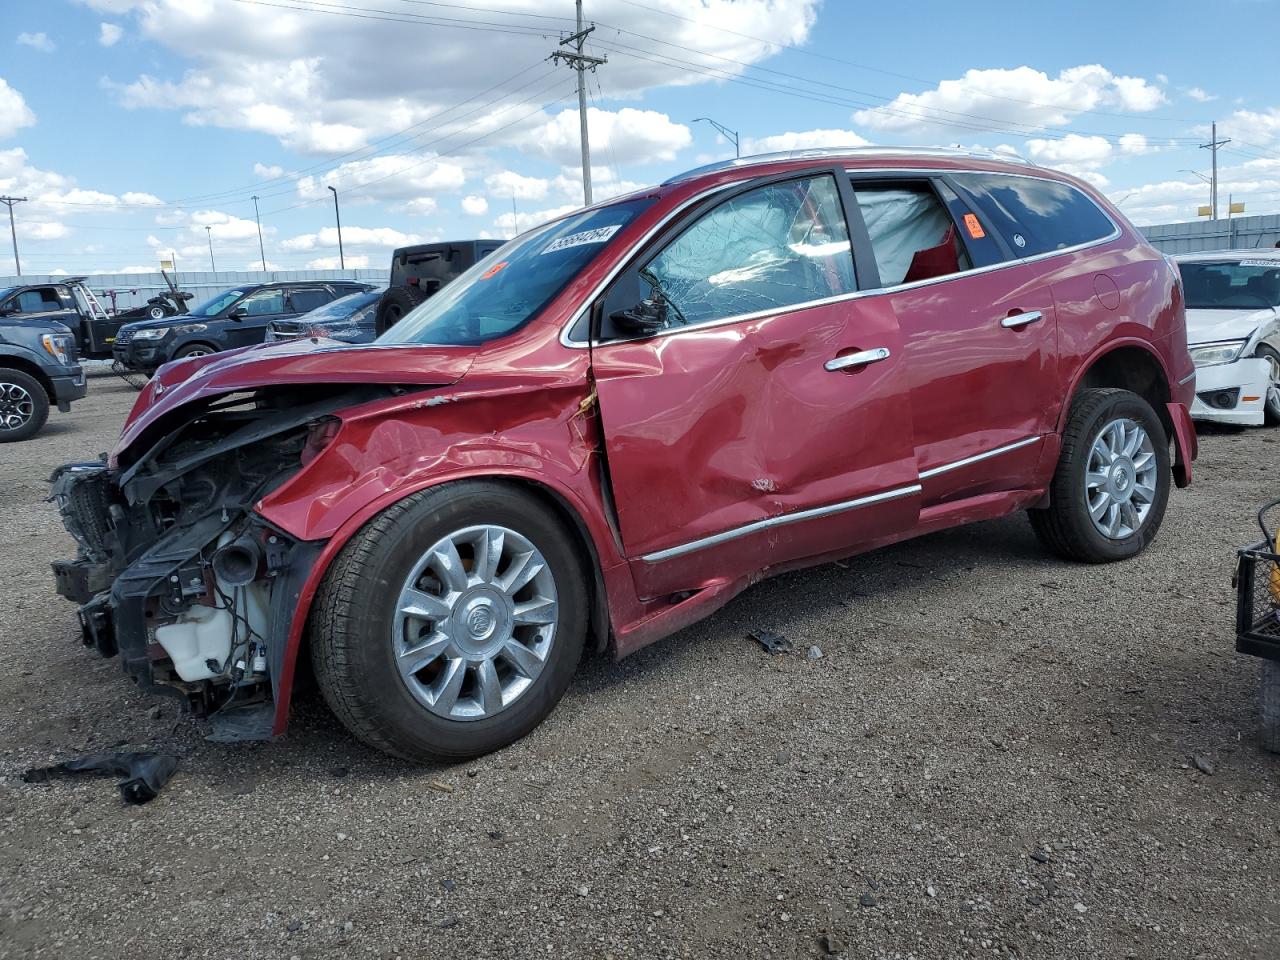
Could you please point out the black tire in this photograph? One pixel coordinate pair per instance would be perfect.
(394, 304)
(156, 312)
(194, 350)
(351, 623)
(1269, 725)
(1271, 411)
(22, 396)
(1065, 526)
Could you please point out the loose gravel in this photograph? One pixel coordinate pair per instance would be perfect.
(992, 754)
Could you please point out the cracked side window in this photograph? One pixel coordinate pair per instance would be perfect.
(776, 246)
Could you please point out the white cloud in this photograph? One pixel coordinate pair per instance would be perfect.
(357, 261)
(14, 112)
(420, 206)
(109, 34)
(1084, 156)
(267, 172)
(384, 237)
(1262, 126)
(642, 136)
(508, 184)
(42, 230)
(1013, 98)
(389, 177)
(1200, 94)
(474, 206)
(802, 140)
(254, 67)
(37, 41)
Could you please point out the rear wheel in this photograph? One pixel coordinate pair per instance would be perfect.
(1269, 731)
(1271, 412)
(1111, 486)
(394, 304)
(24, 405)
(452, 623)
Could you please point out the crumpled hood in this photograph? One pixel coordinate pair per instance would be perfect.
(1207, 326)
(302, 362)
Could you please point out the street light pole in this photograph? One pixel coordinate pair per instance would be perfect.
(342, 260)
(256, 217)
(724, 132)
(1197, 173)
(208, 232)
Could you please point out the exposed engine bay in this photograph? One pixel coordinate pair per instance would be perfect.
(175, 573)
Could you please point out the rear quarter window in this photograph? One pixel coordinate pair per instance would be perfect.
(1036, 216)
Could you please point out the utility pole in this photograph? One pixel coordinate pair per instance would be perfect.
(1212, 146)
(724, 132)
(261, 251)
(582, 63)
(208, 232)
(13, 231)
(342, 260)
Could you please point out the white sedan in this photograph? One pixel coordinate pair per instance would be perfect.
(1233, 330)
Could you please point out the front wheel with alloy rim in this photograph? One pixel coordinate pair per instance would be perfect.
(1111, 485)
(194, 350)
(24, 405)
(452, 623)
(1271, 410)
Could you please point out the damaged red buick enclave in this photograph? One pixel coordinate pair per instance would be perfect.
(619, 420)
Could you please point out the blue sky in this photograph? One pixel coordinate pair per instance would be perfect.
(135, 124)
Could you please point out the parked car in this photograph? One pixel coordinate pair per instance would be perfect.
(349, 319)
(421, 271)
(70, 304)
(38, 368)
(234, 318)
(1233, 327)
(608, 428)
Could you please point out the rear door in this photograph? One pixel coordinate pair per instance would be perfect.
(768, 420)
(979, 335)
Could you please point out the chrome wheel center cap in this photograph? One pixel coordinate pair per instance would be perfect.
(480, 622)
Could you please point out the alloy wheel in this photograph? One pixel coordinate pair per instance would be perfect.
(1273, 382)
(1120, 478)
(17, 406)
(475, 622)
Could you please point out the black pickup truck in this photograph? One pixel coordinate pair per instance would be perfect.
(69, 303)
(38, 367)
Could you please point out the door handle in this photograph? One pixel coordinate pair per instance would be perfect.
(1022, 319)
(859, 359)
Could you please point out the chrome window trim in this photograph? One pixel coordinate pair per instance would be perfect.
(765, 524)
(566, 341)
(977, 457)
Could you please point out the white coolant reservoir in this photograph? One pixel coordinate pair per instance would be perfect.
(203, 634)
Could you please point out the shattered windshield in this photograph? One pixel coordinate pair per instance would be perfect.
(1231, 285)
(510, 286)
(777, 246)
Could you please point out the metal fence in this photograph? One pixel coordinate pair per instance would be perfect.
(134, 289)
(1196, 235)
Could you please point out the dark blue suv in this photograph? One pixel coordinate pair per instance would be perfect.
(238, 317)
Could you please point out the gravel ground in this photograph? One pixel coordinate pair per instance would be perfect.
(994, 756)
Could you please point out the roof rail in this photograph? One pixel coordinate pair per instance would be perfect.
(820, 152)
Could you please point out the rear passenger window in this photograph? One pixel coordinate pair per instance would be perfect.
(912, 235)
(307, 299)
(1036, 216)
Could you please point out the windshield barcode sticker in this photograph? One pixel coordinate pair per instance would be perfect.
(598, 235)
(1261, 263)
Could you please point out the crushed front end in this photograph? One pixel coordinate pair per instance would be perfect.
(176, 574)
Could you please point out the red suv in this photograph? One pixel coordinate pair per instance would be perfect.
(609, 427)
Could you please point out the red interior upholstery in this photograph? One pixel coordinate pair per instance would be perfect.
(936, 261)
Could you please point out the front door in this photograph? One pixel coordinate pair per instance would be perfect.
(260, 308)
(979, 338)
(768, 420)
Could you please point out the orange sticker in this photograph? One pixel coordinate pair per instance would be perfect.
(975, 228)
(493, 270)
